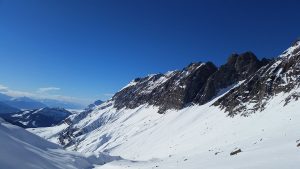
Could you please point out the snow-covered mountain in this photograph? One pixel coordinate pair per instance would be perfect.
(244, 114)
(44, 117)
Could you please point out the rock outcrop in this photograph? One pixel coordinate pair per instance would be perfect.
(198, 83)
(280, 75)
(237, 68)
(173, 90)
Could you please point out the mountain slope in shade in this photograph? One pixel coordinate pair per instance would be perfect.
(4, 97)
(4, 109)
(44, 117)
(227, 131)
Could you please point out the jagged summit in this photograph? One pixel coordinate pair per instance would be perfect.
(294, 50)
(200, 82)
(172, 90)
(237, 68)
(280, 75)
(197, 83)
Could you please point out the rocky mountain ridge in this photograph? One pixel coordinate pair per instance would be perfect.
(280, 75)
(198, 83)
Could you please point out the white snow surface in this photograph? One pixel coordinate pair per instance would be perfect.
(21, 149)
(191, 138)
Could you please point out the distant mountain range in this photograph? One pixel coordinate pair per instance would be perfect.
(4, 97)
(4, 108)
(10, 104)
(62, 104)
(96, 103)
(24, 103)
(30, 113)
(44, 117)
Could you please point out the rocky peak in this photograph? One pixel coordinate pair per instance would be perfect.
(198, 83)
(232, 59)
(279, 75)
(247, 63)
(292, 51)
(237, 68)
(172, 90)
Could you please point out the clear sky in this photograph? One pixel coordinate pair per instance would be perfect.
(88, 50)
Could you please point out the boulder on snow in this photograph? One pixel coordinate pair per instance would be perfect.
(235, 152)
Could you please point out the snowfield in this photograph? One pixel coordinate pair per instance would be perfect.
(191, 138)
(21, 149)
(24, 150)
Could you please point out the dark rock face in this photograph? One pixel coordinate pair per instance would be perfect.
(280, 75)
(196, 84)
(172, 90)
(201, 82)
(235, 152)
(237, 68)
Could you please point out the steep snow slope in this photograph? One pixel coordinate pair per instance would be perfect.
(21, 149)
(198, 136)
(203, 137)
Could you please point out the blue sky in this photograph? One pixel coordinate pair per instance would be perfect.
(87, 50)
